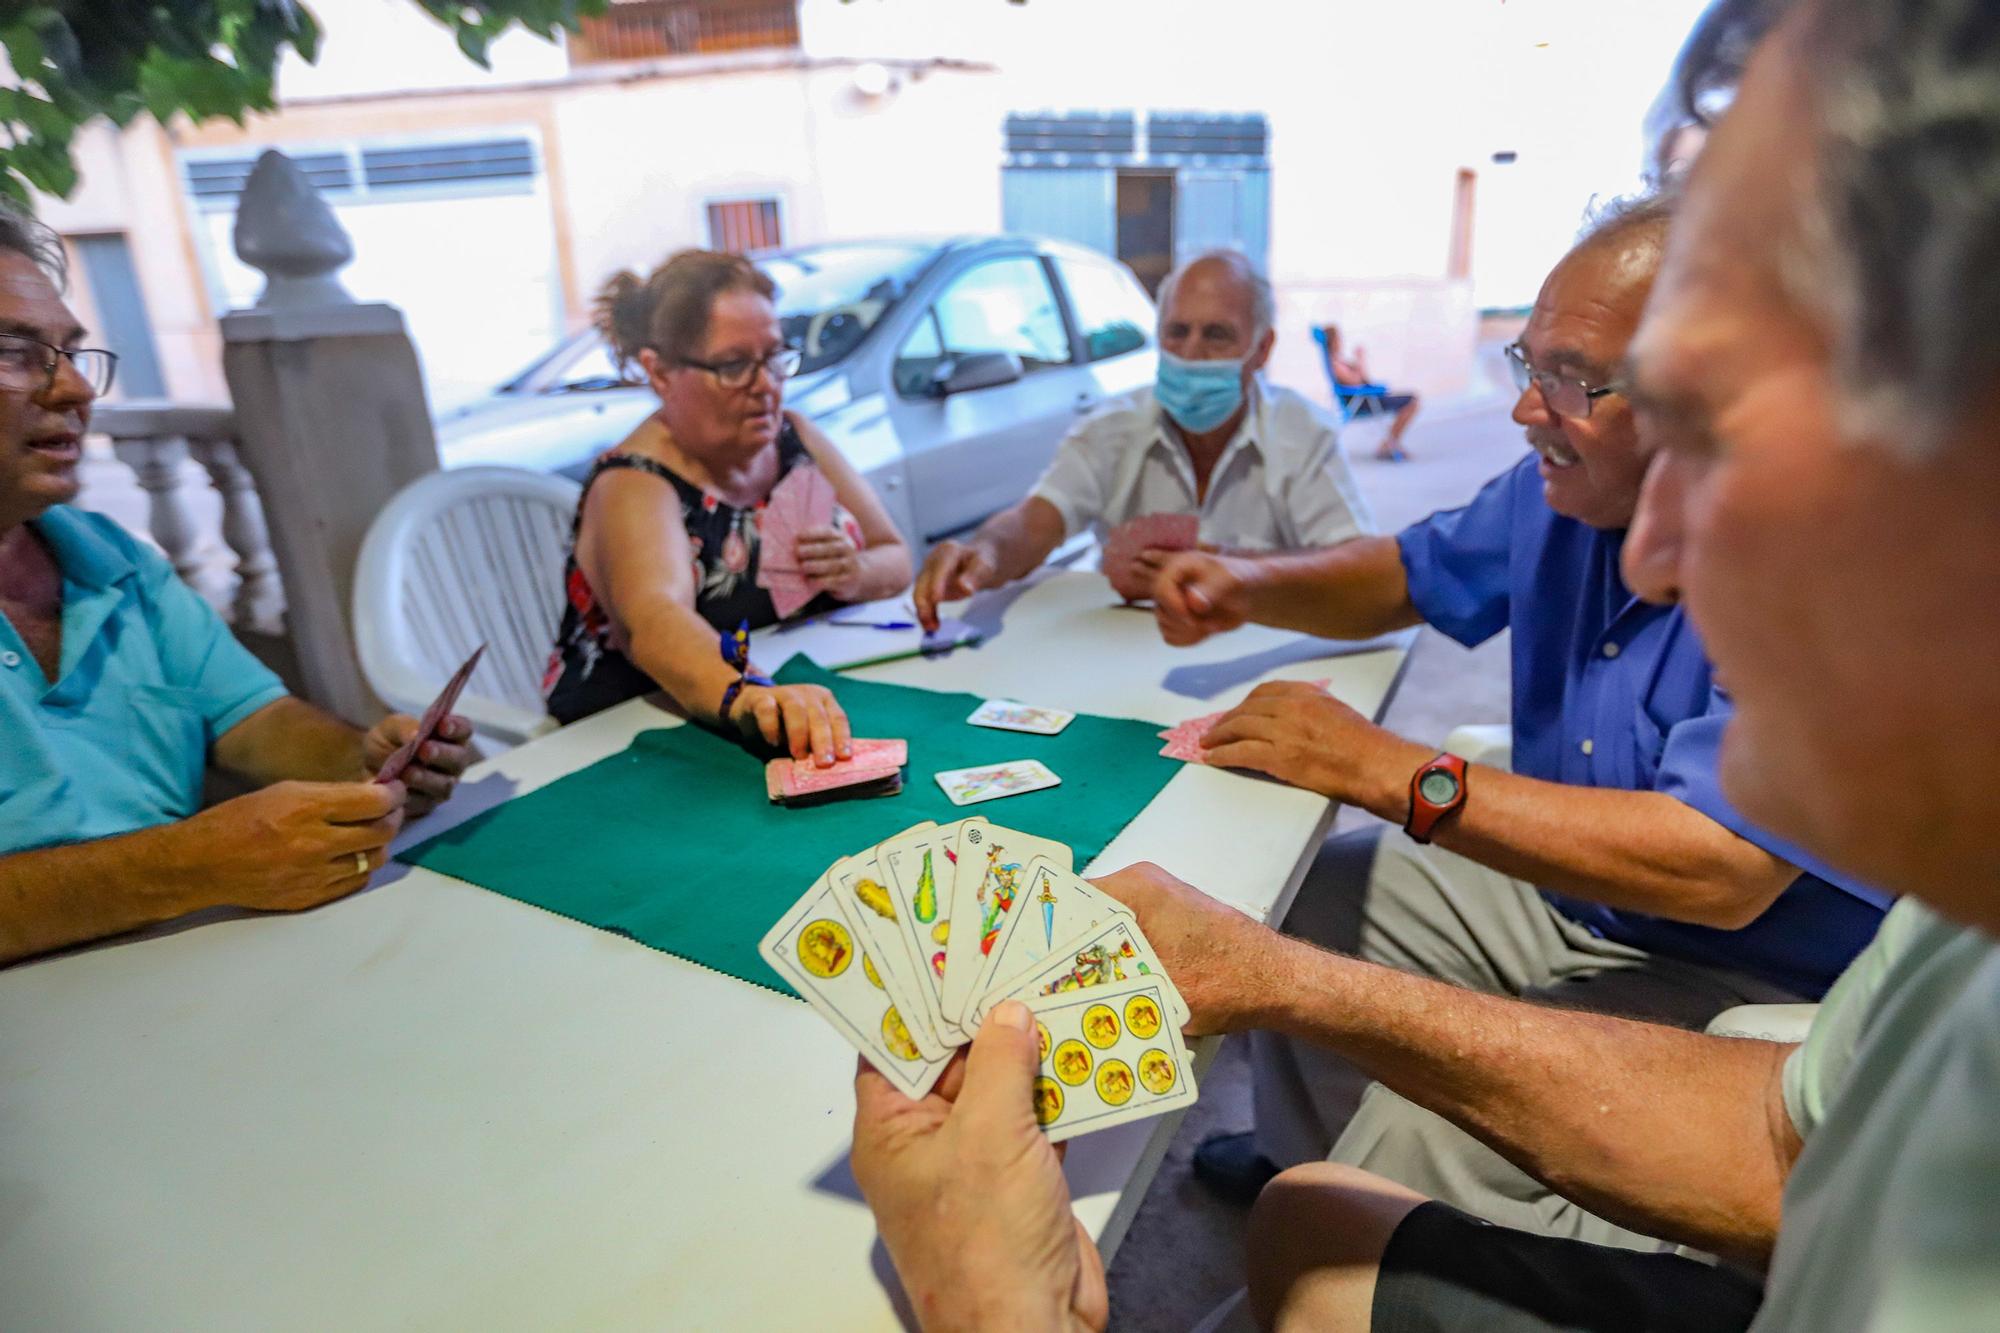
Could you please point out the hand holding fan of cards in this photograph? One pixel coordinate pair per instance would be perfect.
(800, 504)
(905, 947)
(1131, 576)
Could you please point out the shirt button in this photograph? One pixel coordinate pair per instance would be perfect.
(1611, 650)
(1587, 747)
(10, 659)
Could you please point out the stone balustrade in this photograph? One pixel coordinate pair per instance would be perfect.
(156, 440)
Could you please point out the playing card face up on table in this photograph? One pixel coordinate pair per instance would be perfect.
(907, 946)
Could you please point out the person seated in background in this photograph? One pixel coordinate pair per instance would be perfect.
(1817, 372)
(118, 686)
(667, 544)
(1606, 870)
(1260, 465)
(1350, 371)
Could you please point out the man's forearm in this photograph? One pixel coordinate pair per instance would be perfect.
(54, 897)
(1640, 851)
(1355, 590)
(1016, 540)
(1671, 1133)
(290, 739)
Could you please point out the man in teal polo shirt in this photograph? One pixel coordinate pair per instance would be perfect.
(118, 686)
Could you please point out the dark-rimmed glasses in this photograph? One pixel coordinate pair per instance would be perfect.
(1566, 397)
(30, 364)
(741, 372)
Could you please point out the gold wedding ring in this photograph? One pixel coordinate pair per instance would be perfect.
(361, 863)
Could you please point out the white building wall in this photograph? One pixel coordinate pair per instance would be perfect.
(377, 47)
(642, 161)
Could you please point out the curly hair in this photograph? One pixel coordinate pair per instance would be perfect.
(669, 309)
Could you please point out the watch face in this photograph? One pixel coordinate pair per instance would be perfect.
(1438, 787)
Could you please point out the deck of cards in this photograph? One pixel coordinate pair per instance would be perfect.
(907, 946)
(875, 768)
(801, 502)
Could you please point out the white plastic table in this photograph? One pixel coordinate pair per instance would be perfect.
(430, 1106)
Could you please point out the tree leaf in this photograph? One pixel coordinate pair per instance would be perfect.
(204, 59)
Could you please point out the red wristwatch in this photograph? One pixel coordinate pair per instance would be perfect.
(1436, 789)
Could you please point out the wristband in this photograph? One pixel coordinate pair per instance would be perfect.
(735, 688)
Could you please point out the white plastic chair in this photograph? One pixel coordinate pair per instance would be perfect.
(457, 559)
(1482, 744)
(1765, 1022)
(1494, 746)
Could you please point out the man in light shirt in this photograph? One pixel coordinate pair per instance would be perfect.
(1259, 465)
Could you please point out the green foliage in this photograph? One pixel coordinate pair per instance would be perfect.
(77, 60)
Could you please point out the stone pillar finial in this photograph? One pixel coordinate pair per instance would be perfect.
(287, 232)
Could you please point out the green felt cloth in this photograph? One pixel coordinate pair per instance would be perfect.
(674, 843)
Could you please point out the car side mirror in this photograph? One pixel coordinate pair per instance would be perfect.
(976, 370)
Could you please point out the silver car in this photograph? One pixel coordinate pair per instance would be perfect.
(946, 371)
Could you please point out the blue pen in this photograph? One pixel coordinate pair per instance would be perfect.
(873, 624)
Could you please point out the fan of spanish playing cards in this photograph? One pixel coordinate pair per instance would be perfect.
(906, 946)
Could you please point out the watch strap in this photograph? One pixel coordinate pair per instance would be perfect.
(1424, 813)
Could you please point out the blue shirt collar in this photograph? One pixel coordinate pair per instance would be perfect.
(85, 558)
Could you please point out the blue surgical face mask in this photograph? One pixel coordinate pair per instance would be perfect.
(1199, 395)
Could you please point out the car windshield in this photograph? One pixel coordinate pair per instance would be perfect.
(830, 296)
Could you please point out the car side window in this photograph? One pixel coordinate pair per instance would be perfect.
(1112, 312)
(1006, 305)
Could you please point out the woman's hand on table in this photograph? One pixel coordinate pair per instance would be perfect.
(969, 1194)
(1224, 963)
(804, 720)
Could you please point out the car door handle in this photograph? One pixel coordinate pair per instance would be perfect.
(1084, 402)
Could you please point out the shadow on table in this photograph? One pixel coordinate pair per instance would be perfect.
(469, 801)
(1208, 679)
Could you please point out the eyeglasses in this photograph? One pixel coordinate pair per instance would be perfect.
(1566, 397)
(30, 364)
(741, 372)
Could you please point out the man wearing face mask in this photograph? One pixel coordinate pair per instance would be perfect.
(1261, 466)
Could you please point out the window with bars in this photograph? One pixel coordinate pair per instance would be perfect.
(738, 225)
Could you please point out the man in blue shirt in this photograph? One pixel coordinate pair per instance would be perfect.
(1606, 870)
(118, 686)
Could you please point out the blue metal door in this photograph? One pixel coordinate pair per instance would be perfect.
(1063, 203)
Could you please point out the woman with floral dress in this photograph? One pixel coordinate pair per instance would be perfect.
(667, 543)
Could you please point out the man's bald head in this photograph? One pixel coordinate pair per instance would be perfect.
(1225, 277)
